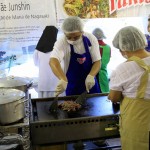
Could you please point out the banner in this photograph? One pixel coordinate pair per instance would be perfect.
(83, 8)
(21, 25)
(129, 8)
(87, 9)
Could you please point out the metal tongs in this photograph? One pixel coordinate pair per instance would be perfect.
(81, 98)
(54, 106)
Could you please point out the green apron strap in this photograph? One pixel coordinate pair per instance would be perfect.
(144, 79)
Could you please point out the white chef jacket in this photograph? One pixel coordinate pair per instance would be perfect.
(62, 49)
(47, 81)
(126, 78)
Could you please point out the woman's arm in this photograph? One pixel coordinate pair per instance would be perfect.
(115, 96)
(57, 70)
(95, 68)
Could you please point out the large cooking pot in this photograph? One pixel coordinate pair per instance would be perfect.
(20, 83)
(11, 105)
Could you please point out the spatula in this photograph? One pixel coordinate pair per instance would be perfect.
(54, 106)
(81, 98)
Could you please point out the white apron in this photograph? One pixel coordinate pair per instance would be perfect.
(47, 81)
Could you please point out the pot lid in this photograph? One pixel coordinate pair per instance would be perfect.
(10, 95)
(12, 81)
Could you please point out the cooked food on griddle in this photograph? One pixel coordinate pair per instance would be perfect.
(69, 106)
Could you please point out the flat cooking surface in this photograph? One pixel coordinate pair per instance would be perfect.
(95, 106)
(98, 119)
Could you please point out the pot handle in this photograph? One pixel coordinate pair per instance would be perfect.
(9, 138)
(19, 104)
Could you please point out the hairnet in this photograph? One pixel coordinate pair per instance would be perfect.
(98, 34)
(129, 39)
(72, 24)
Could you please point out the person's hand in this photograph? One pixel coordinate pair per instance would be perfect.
(61, 87)
(89, 82)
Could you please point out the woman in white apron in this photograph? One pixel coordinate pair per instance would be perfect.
(47, 81)
(130, 85)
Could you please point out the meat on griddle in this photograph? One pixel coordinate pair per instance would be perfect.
(69, 106)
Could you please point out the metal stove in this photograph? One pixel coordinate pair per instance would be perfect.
(98, 119)
(21, 128)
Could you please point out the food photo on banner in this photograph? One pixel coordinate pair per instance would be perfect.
(87, 9)
(84, 9)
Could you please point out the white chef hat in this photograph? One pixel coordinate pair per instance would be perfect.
(99, 34)
(72, 24)
(129, 39)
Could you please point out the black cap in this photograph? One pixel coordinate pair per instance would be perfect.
(47, 40)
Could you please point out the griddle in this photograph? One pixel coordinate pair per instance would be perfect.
(98, 118)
